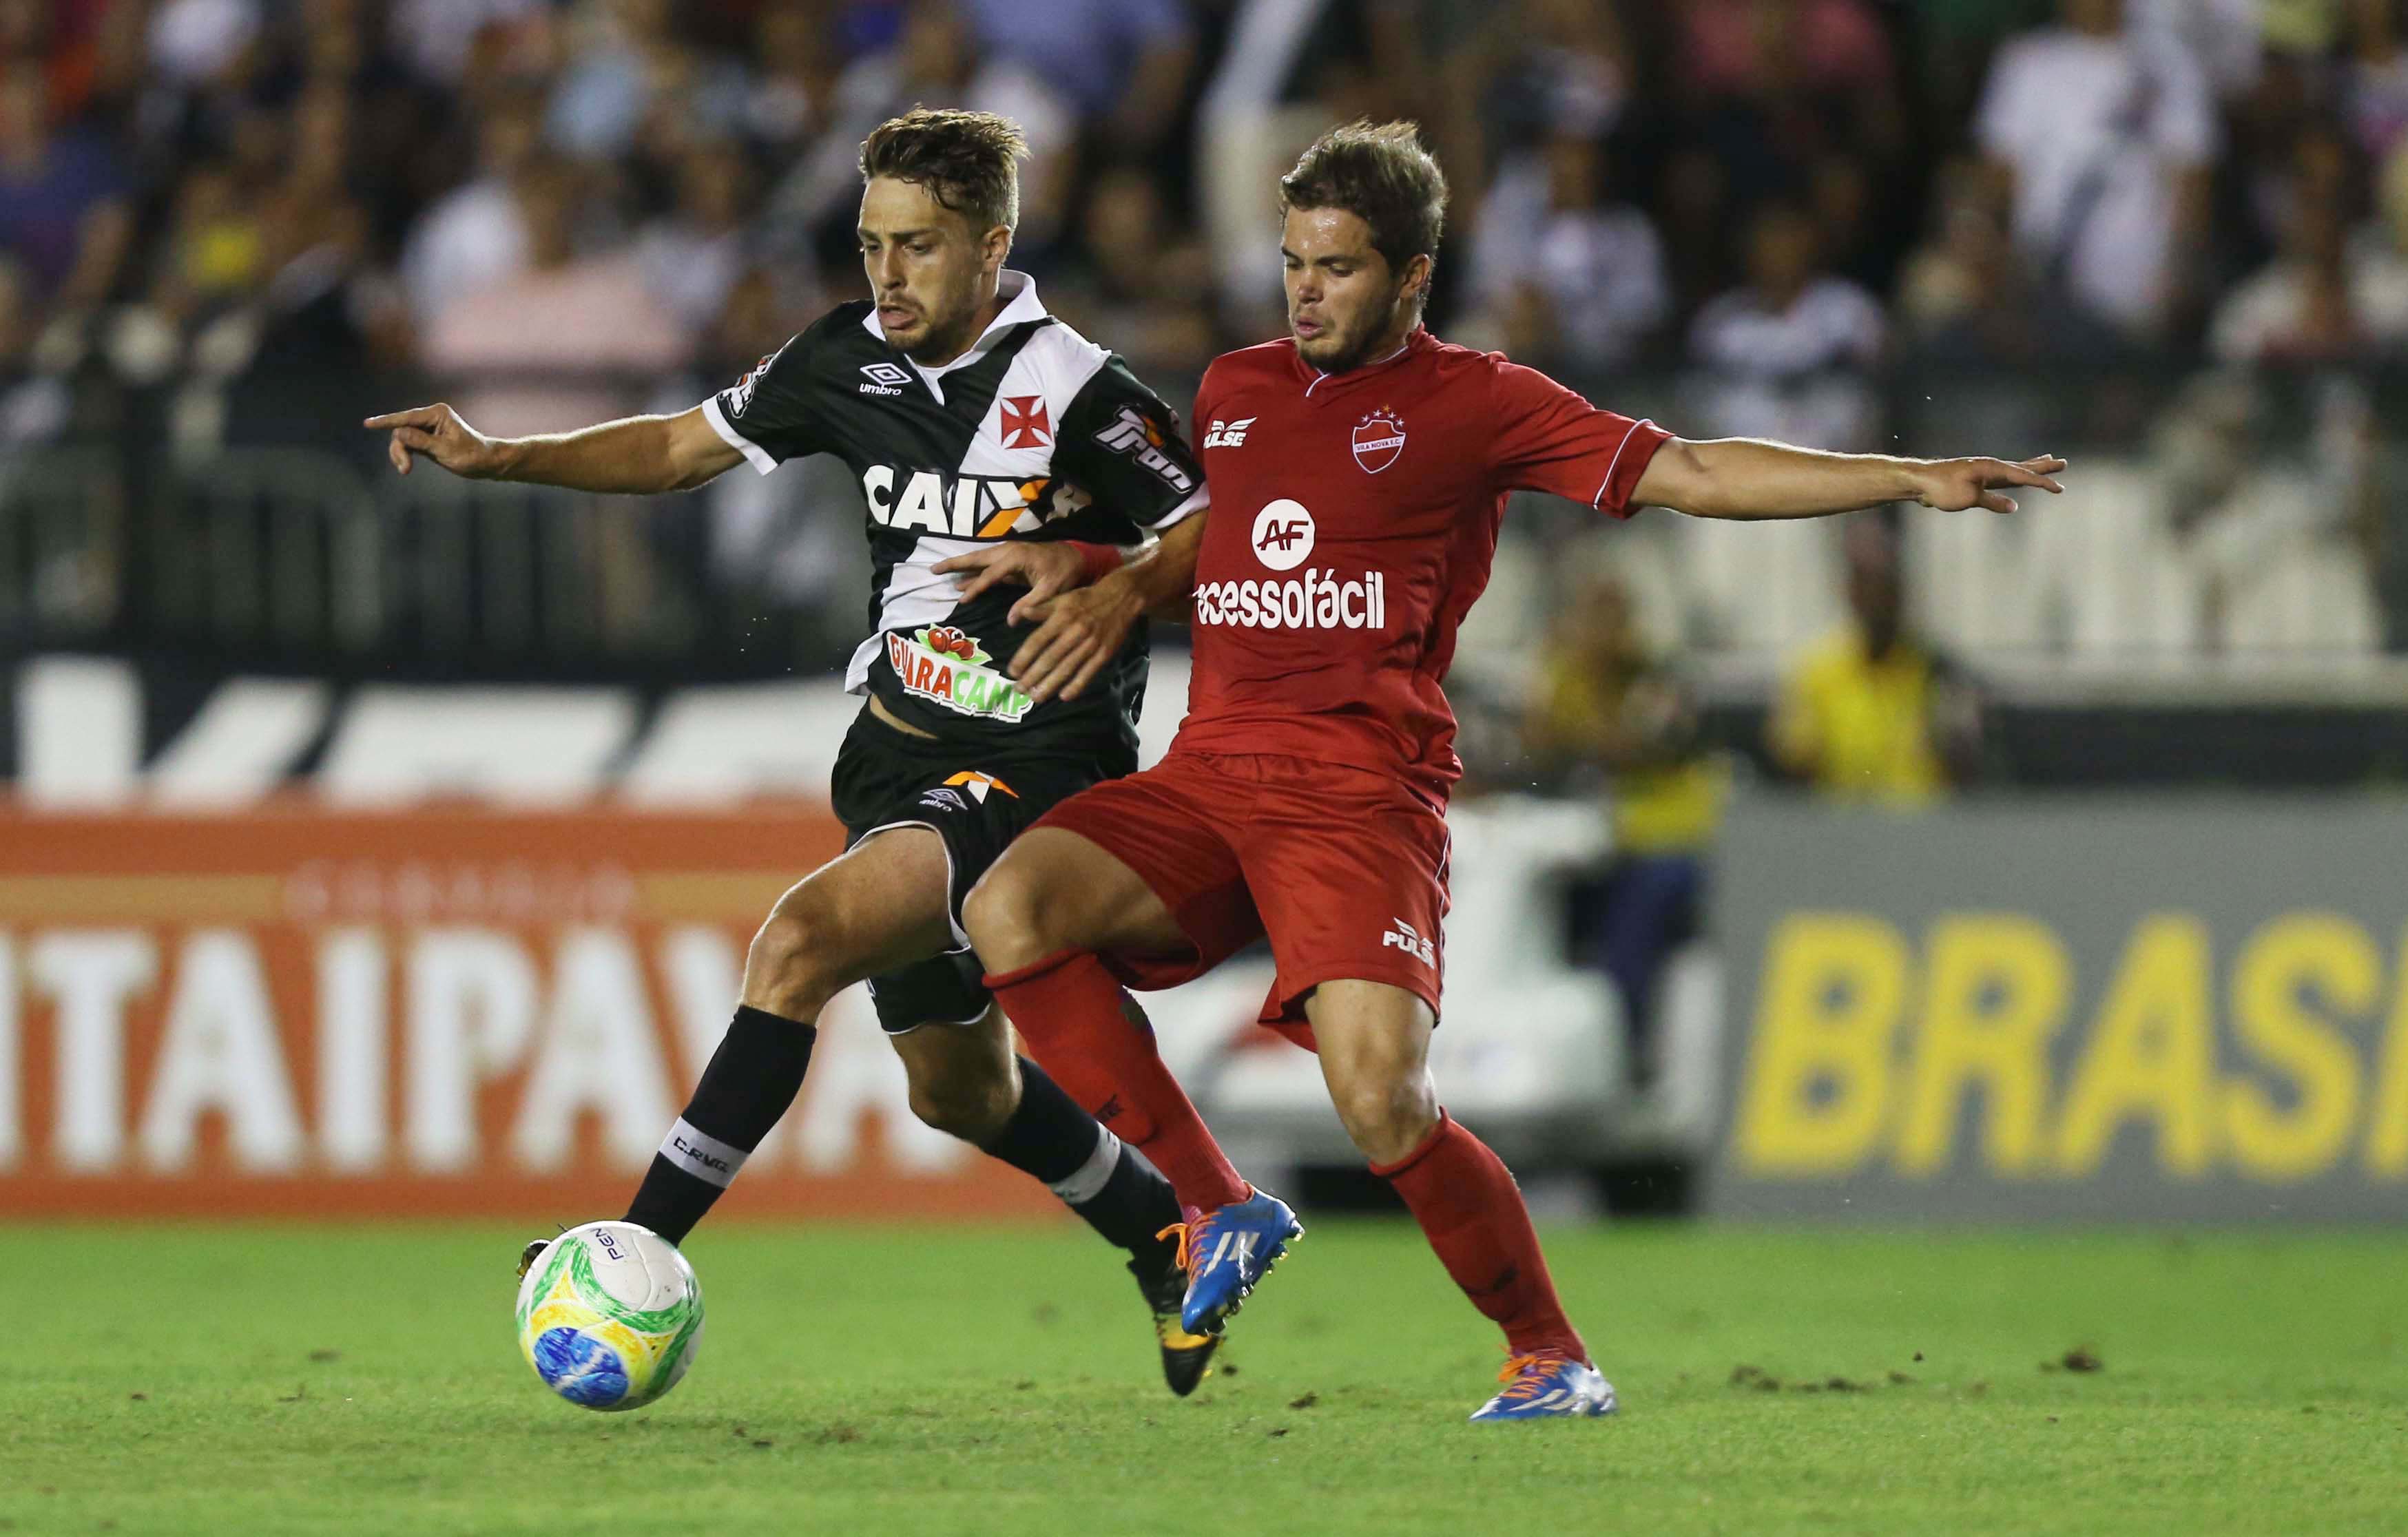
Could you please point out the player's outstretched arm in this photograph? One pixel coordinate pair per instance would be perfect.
(634, 456)
(1746, 478)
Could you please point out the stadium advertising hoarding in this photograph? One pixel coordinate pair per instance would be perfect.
(2044, 1010)
(448, 1012)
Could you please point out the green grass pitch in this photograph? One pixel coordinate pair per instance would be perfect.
(270, 1380)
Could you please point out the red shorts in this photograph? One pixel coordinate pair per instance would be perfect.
(1343, 869)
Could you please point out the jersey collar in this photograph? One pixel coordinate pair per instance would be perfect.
(1021, 306)
(1417, 340)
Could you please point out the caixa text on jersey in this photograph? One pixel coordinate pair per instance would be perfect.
(966, 507)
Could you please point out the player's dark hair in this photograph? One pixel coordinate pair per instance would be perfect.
(1381, 174)
(968, 162)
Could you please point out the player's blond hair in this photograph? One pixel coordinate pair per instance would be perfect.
(968, 162)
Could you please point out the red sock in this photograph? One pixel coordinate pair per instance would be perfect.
(1471, 1212)
(1067, 1008)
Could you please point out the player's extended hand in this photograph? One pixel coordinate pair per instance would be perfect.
(1955, 485)
(439, 434)
(1076, 633)
(1046, 570)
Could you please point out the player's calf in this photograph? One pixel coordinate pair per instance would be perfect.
(968, 1088)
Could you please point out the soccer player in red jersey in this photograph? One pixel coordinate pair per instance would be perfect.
(1358, 469)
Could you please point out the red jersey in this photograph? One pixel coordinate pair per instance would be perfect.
(1353, 523)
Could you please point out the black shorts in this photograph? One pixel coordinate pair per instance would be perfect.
(976, 803)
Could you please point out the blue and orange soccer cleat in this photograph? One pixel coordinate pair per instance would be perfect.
(1548, 1386)
(1226, 1252)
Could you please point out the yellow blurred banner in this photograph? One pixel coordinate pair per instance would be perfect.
(2189, 1009)
(446, 1012)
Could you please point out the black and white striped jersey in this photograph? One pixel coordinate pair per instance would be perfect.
(1036, 433)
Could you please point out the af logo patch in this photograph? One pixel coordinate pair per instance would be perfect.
(1379, 438)
(1282, 534)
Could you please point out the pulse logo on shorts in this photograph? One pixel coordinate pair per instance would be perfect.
(946, 668)
(1404, 936)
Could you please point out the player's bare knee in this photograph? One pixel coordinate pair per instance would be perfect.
(789, 971)
(1005, 915)
(1387, 1115)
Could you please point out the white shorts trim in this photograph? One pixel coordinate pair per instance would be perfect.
(961, 938)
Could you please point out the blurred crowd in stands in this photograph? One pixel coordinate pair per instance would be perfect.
(1767, 187)
(1740, 216)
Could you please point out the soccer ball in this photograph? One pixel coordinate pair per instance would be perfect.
(609, 1315)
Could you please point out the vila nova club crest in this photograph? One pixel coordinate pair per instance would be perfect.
(1379, 438)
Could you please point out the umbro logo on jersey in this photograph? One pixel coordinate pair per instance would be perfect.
(1379, 438)
(1024, 423)
(884, 379)
(1229, 434)
(1404, 936)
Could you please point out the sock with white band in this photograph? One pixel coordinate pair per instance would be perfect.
(1106, 1182)
(751, 1080)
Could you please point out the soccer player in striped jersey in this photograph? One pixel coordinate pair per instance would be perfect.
(975, 422)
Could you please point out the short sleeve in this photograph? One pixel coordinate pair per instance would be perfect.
(1548, 438)
(1119, 444)
(767, 416)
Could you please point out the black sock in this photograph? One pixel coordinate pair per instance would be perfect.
(753, 1078)
(1105, 1181)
